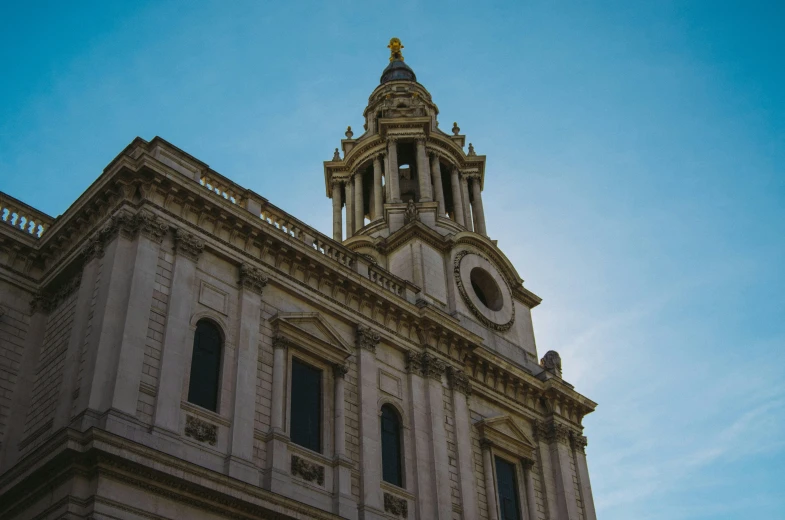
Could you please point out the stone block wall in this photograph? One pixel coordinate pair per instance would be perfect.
(14, 323)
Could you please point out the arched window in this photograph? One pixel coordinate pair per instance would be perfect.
(205, 366)
(392, 470)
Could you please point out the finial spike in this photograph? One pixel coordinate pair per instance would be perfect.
(395, 49)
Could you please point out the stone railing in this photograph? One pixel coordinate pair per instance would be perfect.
(281, 221)
(23, 217)
(223, 187)
(332, 249)
(385, 279)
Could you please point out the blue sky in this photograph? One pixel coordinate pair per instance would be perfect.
(638, 148)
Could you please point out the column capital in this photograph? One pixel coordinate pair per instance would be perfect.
(150, 225)
(93, 248)
(187, 244)
(340, 370)
(579, 442)
(459, 381)
(421, 140)
(280, 342)
(425, 364)
(391, 139)
(485, 444)
(527, 464)
(252, 278)
(337, 182)
(367, 338)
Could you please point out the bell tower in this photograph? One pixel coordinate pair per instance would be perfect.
(404, 167)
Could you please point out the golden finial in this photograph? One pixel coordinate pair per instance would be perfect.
(395, 49)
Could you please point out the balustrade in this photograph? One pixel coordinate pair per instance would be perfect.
(385, 280)
(222, 187)
(21, 216)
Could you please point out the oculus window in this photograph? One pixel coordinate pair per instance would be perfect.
(306, 411)
(205, 366)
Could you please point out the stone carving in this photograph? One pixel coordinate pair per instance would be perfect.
(551, 432)
(252, 278)
(336, 155)
(93, 248)
(579, 442)
(467, 300)
(396, 505)
(151, 226)
(349, 134)
(280, 342)
(425, 365)
(471, 150)
(188, 244)
(367, 338)
(340, 370)
(459, 381)
(552, 362)
(307, 470)
(411, 214)
(201, 430)
(456, 130)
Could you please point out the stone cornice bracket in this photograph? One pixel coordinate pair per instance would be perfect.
(459, 381)
(425, 364)
(252, 278)
(188, 244)
(367, 338)
(340, 370)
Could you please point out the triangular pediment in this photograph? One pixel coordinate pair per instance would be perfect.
(505, 435)
(311, 331)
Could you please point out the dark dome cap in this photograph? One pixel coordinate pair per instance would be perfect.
(397, 69)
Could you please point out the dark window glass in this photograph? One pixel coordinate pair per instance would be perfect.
(205, 366)
(306, 428)
(391, 446)
(508, 490)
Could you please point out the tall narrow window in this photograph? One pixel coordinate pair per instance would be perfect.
(205, 366)
(391, 446)
(508, 490)
(306, 412)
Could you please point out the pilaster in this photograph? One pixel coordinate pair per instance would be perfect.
(461, 390)
(178, 332)
(366, 342)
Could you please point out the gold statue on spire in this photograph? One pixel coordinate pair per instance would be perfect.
(395, 49)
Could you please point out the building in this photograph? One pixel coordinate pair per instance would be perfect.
(174, 346)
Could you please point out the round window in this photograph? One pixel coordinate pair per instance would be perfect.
(486, 289)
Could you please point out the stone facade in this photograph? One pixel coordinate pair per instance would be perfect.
(409, 304)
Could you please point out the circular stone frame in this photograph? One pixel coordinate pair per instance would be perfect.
(500, 320)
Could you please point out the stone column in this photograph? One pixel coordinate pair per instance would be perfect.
(436, 173)
(392, 162)
(423, 172)
(477, 210)
(581, 467)
(531, 497)
(279, 477)
(558, 446)
(434, 495)
(178, 332)
(490, 487)
(461, 390)
(541, 435)
(457, 198)
(239, 463)
(92, 252)
(337, 224)
(370, 438)
(344, 504)
(359, 212)
(377, 188)
(467, 215)
(125, 327)
(349, 195)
